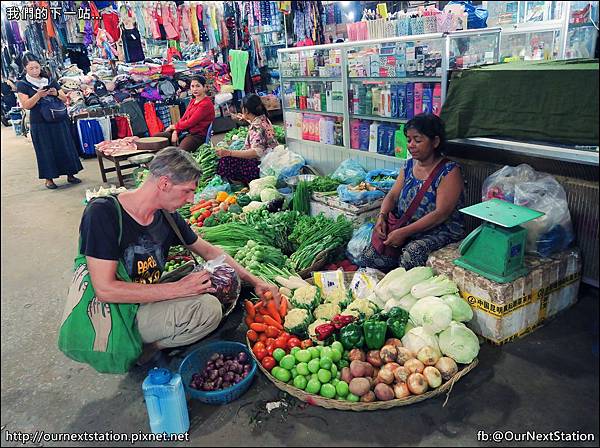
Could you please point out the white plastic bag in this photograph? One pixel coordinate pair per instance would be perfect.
(281, 163)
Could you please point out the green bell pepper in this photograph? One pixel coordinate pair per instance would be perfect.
(375, 331)
(396, 322)
(351, 336)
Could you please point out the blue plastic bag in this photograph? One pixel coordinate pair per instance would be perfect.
(214, 186)
(361, 239)
(358, 197)
(349, 172)
(477, 15)
(384, 184)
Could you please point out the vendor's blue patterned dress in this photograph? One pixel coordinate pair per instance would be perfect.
(417, 248)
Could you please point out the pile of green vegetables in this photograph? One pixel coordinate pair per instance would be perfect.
(206, 157)
(233, 234)
(263, 260)
(278, 225)
(184, 211)
(301, 200)
(383, 178)
(279, 133)
(323, 184)
(236, 134)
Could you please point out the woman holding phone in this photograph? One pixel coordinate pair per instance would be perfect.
(54, 148)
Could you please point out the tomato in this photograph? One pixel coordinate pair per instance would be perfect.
(293, 342)
(262, 337)
(252, 335)
(281, 343)
(272, 332)
(258, 346)
(269, 341)
(270, 348)
(268, 362)
(261, 353)
(285, 335)
(306, 343)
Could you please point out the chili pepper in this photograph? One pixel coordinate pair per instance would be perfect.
(323, 331)
(273, 311)
(270, 321)
(340, 320)
(396, 322)
(351, 336)
(250, 312)
(283, 306)
(375, 331)
(259, 328)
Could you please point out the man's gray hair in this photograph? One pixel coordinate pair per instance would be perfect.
(177, 164)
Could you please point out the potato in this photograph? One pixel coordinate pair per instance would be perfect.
(394, 341)
(346, 375)
(368, 369)
(433, 377)
(414, 366)
(375, 372)
(388, 353)
(391, 366)
(417, 383)
(401, 374)
(369, 397)
(357, 369)
(447, 367)
(428, 356)
(383, 392)
(360, 386)
(404, 355)
(401, 390)
(374, 359)
(385, 376)
(356, 354)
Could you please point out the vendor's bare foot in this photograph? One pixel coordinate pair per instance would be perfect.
(148, 352)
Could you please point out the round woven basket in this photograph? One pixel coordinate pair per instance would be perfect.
(343, 405)
(320, 261)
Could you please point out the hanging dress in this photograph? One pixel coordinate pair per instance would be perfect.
(132, 44)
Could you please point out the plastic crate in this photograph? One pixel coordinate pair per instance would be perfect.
(195, 362)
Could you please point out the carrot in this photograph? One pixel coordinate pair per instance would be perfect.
(273, 311)
(250, 312)
(259, 328)
(258, 319)
(263, 311)
(248, 321)
(270, 321)
(283, 306)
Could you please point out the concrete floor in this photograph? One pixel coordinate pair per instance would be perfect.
(547, 381)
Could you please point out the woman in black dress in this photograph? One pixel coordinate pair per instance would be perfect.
(54, 148)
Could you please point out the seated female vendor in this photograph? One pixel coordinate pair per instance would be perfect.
(196, 120)
(243, 165)
(412, 224)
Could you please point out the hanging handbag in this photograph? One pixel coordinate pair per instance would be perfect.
(394, 223)
(103, 335)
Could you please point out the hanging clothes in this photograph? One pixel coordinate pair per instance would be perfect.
(184, 25)
(122, 127)
(169, 22)
(90, 133)
(154, 124)
(110, 21)
(193, 23)
(162, 112)
(238, 61)
(174, 113)
(140, 18)
(136, 117)
(132, 44)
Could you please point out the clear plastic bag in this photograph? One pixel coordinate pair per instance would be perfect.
(349, 172)
(361, 239)
(552, 232)
(214, 186)
(383, 184)
(225, 281)
(358, 197)
(501, 184)
(281, 163)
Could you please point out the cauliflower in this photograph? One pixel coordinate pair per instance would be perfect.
(354, 313)
(363, 306)
(297, 321)
(306, 297)
(327, 311)
(311, 330)
(339, 297)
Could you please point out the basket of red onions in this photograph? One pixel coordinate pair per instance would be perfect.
(218, 372)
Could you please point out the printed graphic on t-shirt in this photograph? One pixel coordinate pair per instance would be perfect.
(144, 260)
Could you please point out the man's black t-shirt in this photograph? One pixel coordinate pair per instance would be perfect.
(143, 249)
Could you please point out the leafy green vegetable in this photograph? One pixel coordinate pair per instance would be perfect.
(323, 184)
(459, 343)
(437, 286)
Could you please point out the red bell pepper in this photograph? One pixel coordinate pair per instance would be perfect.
(323, 331)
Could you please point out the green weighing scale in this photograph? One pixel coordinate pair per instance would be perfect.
(496, 249)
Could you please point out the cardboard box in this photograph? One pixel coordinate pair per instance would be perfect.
(503, 312)
(332, 207)
(271, 102)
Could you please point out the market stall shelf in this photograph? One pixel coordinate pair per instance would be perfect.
(343, 405)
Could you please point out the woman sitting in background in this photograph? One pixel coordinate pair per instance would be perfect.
(243, 165)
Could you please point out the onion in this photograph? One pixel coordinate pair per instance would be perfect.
(414, 366)
(404, 355)
(447, 367)
(247, 368)
(228, 358)
(401, 374)
(428, 356)
(237, 378)
(214, 356)
(219, 363)
(222, 371)
(417, 383)
(218, 382)
(210, 365)
(242, 357)
(433, 377)
(401, 390)
(385, 376)
(213, 374)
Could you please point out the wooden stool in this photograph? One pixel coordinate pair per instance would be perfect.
(117, 160)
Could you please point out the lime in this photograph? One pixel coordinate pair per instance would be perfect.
(338, 375)
(337, 345)
(325, 362)
(314, 376)
(327, 391)
(302, 356)
(324, 375)
(288, 362)
(313, 365)
(352, 397)
(335, 381)
(300, 382)
(320, 349)
(334, 370)
(336, 355)
(314, 352)
(342, 388)
(302, 368)
(294, 350)
(326, 352)
(275, 370)
(294, 372)
(313, 386)
(278, 353)
(282, 375)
